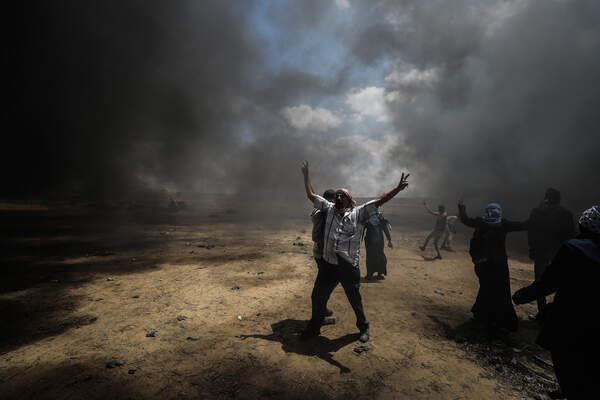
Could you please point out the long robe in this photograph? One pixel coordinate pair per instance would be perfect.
(376, 260)
(493, 305)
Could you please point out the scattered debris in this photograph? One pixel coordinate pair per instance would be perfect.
(361, 349)
(136, 296)
(131, 371)
(298, 244)
(438, 292)
(181, 318)
(110, 279)
(133, 259)
(236, 287)
(259, 273)
(543, 362)
(206, 246)
(414, 313)
(115, 363)
(239, 317)
(193, 338)
(152, 333)
(188, 244)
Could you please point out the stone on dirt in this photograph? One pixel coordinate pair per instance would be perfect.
(152, 333)
(115, 363)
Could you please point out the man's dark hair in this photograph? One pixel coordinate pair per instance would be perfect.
(329, 195)
(553, 196)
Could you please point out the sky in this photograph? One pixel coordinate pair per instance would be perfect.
(491, 100)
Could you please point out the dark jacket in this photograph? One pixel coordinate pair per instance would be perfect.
(549, 227)
(495, 235)
(573, 275)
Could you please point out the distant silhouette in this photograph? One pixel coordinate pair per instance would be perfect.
(438, 230)
(550, 226)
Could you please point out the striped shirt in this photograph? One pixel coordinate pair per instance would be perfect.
(343, 230)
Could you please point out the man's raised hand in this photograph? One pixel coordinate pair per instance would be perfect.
(304, 168)
(403, 181)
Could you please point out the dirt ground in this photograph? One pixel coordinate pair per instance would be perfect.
(227, 295)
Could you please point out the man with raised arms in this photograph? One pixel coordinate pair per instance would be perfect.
(341, 251)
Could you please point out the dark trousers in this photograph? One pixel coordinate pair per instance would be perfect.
(328, 277)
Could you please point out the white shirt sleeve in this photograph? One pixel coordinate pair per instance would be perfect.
(366, 211)
(321, 204)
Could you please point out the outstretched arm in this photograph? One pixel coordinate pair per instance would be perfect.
(310, 193)
(430, 210)
(464, 218)
(384, 198)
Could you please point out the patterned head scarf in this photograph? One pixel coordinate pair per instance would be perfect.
(493, 213)
(348, 194)
(590, 219)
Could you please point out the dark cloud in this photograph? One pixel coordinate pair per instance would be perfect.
(515, 107)
(110, 97)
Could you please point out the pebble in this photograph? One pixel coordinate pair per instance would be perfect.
(131, 371)
(193, 338)
(181, 318)
(361, 349)
(152, 333)
(239, 317)
(115, 363)
(110, 279)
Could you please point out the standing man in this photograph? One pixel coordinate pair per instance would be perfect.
(341, 251)
(449, 232)
(438, 230)
(318, 218)
(550, 225)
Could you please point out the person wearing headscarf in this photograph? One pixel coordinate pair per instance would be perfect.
(550, 226)
(493, 305)
(568, 324)
(375, 228)
(341, 251)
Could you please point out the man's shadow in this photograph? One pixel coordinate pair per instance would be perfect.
(287, 333)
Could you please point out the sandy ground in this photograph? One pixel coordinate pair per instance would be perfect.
(227, 296)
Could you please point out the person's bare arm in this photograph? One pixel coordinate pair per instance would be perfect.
(430, 210)
(310, 193)
(384, 198)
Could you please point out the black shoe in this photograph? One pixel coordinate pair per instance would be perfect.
(437, 258)
(308, 334)
(380, 277)
(369, 277)
(328, 312)
(364, 336)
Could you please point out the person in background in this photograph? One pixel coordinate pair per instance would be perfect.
(493, 306)
(375, 228)
(449, 233)
(550, 226)
(438, 230)
(568, 324)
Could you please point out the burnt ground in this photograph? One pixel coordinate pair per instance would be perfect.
(227, 293)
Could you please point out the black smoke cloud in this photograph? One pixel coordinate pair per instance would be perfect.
(515, 108)
(111, 97)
